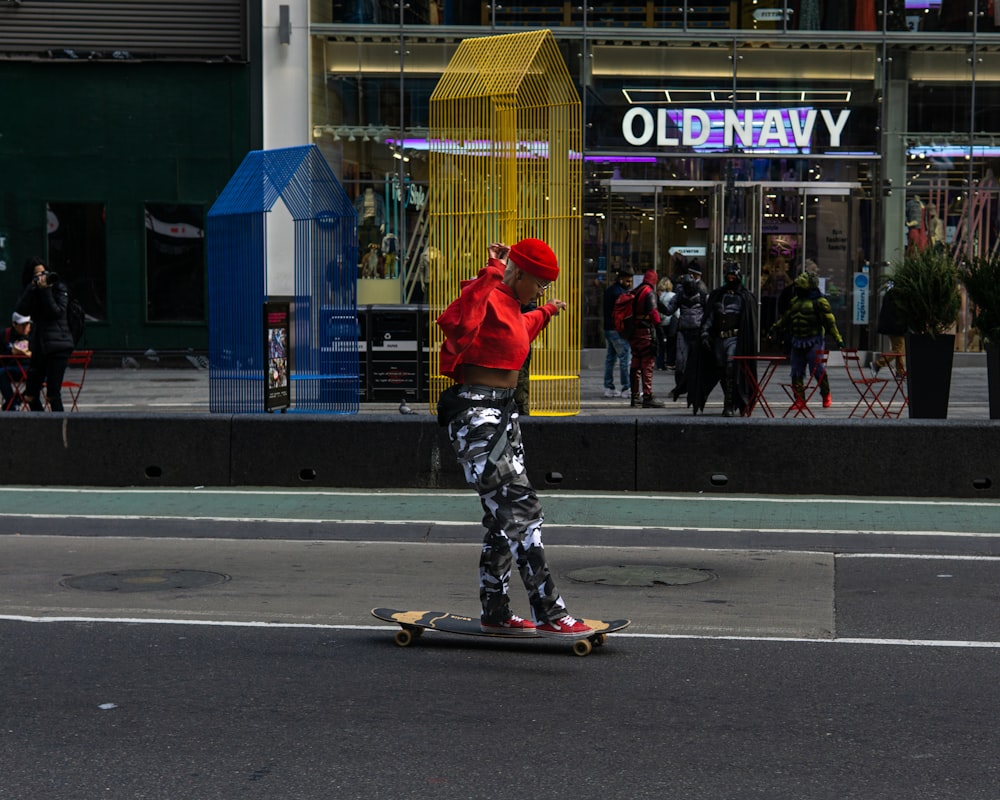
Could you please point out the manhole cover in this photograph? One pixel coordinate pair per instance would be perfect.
(630, 575)
(144, 580)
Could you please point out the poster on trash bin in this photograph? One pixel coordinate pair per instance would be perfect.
(277, 385)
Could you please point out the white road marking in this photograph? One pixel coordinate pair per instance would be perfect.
(466, 523)
(952, 643)
(575, 496)
(918, 556)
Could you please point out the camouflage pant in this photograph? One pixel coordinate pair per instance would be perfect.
(513, 515)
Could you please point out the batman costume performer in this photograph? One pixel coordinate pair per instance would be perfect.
(728, 329)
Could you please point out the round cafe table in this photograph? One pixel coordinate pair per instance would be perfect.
(758, 383)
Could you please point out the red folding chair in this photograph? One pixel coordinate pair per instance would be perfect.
(80, 359)
(16, 368)
(894, 363)
(869, 387)
(809, 388)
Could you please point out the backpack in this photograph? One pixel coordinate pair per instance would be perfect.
(76, 317)
(623, 311)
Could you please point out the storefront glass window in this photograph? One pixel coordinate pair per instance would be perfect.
(711, 131)
(77, 252)
(952, 158)
(373, 127)
(772, 16)
(175, 263)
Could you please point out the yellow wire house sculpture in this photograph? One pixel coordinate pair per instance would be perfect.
(506, 163)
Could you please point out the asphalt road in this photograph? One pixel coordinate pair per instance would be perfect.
(143, 662)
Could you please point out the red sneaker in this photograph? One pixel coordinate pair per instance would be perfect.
(827, 401)
(565, 627)
(515, 626)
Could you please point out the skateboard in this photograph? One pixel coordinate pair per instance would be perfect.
(413, 623)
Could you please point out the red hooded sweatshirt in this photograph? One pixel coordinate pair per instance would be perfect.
(485, 326)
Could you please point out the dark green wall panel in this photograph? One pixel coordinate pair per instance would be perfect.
(122, 134)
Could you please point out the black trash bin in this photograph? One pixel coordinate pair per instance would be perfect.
(393, 353)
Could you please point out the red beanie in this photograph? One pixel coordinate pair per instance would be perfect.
(649, 276)
(536, 258)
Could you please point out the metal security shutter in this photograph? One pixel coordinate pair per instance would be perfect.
(178, 30)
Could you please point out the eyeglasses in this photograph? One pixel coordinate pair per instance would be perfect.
(540, 286)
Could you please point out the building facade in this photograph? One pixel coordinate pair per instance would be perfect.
(122, 121)
(783, 134)
(771, 132)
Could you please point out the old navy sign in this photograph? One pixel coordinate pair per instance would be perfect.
(717, 129)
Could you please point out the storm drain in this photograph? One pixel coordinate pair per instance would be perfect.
(144, 580)
(633, 575)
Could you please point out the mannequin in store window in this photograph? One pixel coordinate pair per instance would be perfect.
(935, 227)
(389, 248)
(916, 224)
(371, 217)
(371, 264)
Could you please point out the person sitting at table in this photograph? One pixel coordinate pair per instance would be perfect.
(15, 341)
(809, 318)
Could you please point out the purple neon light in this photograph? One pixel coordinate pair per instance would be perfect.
(484, 147)
(717, 124)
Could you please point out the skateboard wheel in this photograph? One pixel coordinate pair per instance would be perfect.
(403, 638)
(598, 639)
(581, 647)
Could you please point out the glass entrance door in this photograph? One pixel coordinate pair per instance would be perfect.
(772, 230)
(661, 226)
(814, 227)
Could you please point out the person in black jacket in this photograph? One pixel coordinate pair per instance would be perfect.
(889, 325)
(45, 299)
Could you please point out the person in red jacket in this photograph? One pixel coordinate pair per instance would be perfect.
(643, 341)
(486, 341)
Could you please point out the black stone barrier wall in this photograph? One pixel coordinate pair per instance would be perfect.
(115, 450)
(580, 453)
(911, 458)
(377, 451)
(899, 458)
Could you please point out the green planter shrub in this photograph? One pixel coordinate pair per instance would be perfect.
(925, 290)
(981, 277)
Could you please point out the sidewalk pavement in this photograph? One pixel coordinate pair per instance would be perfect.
(152, 388)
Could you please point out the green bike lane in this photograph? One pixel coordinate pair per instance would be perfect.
(878, 569)
(716, 520)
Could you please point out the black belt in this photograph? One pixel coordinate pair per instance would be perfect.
(491, 392)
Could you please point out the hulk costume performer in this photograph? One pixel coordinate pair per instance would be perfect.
(808, 319)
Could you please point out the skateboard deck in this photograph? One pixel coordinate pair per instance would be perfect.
(413, 623)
